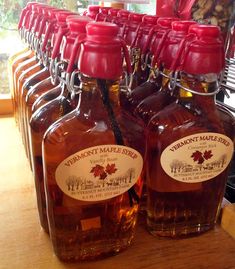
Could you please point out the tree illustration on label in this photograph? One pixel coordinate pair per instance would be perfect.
(200, 157)
(102, 172)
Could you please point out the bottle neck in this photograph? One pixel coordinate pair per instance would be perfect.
(202, 99)
(99, 94)
(165, 78)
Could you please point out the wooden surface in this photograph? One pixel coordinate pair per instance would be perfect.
(228, 219)
(24, 245)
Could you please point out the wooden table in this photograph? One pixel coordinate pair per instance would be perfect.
(23, 245)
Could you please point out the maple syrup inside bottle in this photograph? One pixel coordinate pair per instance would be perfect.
(33, 88)
(28, 54)
(151, 49)
(170, 51)
(137, 47)
(27, 69)
(50, 88)
(90, 229)
(188, 151)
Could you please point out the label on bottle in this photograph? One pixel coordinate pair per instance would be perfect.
(197, 158)
(99, 173)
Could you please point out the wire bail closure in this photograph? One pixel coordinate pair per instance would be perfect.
(70, 82)
(54, 71)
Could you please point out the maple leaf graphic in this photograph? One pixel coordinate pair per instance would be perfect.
(207, 154)
(97, 170)
(103, 176)
(197, 157)
(110, 168)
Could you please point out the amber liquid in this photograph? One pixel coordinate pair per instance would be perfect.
(17, 87)
(176, 208)
(39, 123)
(140, 93)
(13, 61)
(31, 82)
(45, 97)
(155, 102)
(17, 64)
(87, 126)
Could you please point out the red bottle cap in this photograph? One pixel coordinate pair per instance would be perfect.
(172, 42)
(39, 18)
(143, 30)
(205, 54)
(45, 19)
(123, 13)
(24, 13)
(92, 11)
(101, 53)
(149, 19)
(62, 15)
(131, 27)
(77, 26)
(113, 12)
(156, 34)
(104, 10)
(121, 20)
(166, 22)
(93, 8)
(135, 17)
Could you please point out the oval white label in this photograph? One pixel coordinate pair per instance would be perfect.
(197, 158)
(99, 173)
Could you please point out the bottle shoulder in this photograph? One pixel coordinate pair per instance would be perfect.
(176, 121)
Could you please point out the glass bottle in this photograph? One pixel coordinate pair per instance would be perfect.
(151, 50)
(21, 59)
(41, 82)
(50, 112)
(29, 64)
(16, 58)
(50, 88)
(158, 100)
(136, 48)
(32, 75)
(94, 215)
(187, 150)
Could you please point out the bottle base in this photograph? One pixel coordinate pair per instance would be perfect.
(177, 230)
(92, 251)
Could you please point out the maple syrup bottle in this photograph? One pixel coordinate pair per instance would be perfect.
(136, 49)
(49, 113)
(33, 88)
(24, 58)
(29, 66)
(93, 159)
(188, 152)
(50, 88)
(32, 75)
(158, 100)
(16, 58)
(151, 49)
